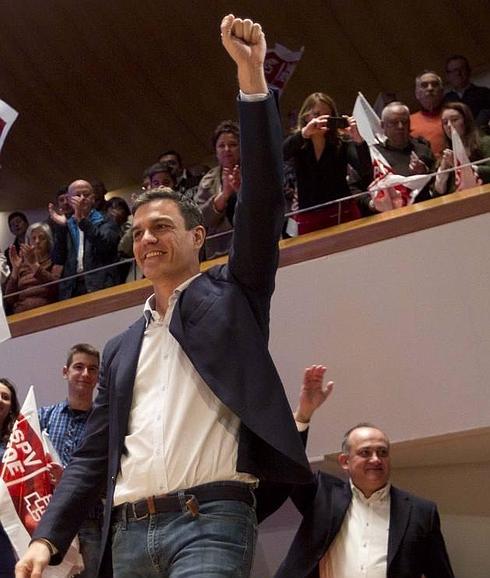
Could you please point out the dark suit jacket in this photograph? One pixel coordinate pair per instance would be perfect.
(99, 248)
(222, 323)
(415, 544)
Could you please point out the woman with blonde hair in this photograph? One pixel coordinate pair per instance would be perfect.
(324, 149)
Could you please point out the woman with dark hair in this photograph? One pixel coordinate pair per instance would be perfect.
(321, 150)
(32, 267)
(9, 409)
(459, 116)
(216, 194)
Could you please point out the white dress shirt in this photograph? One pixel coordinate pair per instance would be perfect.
(179, 433)
(360, 548)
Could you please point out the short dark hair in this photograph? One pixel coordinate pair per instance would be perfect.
(458, 57)
(226, 126)
(345, 440)
(161, 168)
(9, 421)
(173, 153)
(119, 203)
(61, 191)
(190, 212)
(17, 214)
(82, 348)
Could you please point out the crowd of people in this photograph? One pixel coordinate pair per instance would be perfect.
(190, 452)
(85, 243)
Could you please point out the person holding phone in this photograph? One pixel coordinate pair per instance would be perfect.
(321, 149)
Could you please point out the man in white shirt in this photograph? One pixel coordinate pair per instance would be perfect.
(365, 527)
(191, 413)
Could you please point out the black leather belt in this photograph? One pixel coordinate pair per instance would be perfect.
(188, 499)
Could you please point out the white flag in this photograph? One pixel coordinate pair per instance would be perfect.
(465, 177)
(386, 182)
(4, 326)
(7, 119)
(368, 122)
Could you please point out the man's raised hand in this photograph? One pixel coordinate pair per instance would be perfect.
(312, 393)
(245, 43)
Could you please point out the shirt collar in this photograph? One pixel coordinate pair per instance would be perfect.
(380, 495)
(149, 311)
(67, 409)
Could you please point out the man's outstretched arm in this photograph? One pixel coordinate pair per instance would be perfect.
(260, 206)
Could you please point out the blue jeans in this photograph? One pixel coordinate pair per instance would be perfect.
(89, 536)
(218, 543)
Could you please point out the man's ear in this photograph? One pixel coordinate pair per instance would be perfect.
(199, 236)
(343, 460)
(65, 372)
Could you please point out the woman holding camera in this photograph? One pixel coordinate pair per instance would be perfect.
(321, 149)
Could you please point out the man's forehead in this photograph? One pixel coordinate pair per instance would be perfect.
(367, 436)
(157, 209)
(396, 111)
(84, 358)
(78, 187)
(429, 77)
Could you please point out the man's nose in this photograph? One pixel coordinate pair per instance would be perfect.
(148, 237)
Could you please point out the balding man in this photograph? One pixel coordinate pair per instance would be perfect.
(406, 155)
(365, 526)
(427, 122)
(85, 241)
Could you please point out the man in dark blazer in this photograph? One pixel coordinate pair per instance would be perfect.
(95, 232)
(363, 526)
(217, 331)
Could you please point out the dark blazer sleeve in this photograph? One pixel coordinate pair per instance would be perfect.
(260, 206)
(104, 237)
(437, 564)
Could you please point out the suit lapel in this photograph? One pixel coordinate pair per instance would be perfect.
(399, 515)
(341, 497)
(129, 351)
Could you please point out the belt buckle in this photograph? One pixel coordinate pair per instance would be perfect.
(192, 505)
(150, 508)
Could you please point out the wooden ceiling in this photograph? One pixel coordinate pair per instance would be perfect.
(103, 86)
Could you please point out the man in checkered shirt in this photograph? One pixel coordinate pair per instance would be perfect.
(65, 424)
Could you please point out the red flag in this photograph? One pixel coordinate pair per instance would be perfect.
(279, 65)
(25, 486)
(25, 467)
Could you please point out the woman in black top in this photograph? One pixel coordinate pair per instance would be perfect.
(323, 155)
